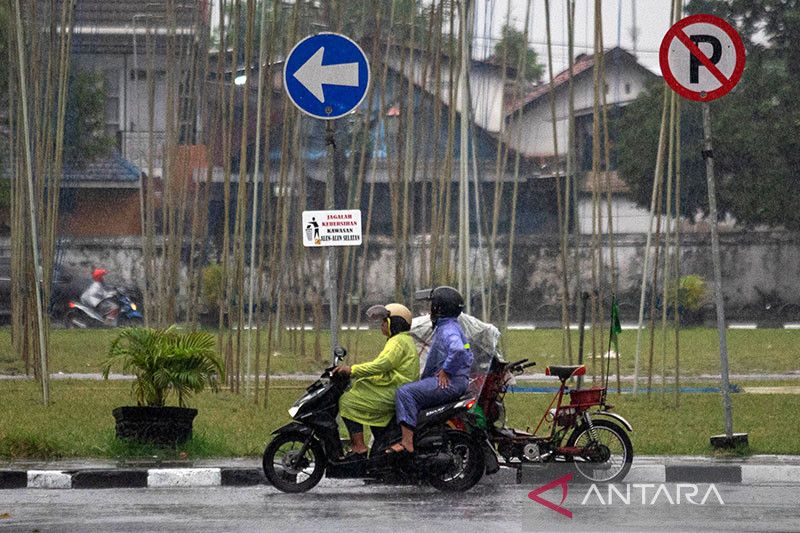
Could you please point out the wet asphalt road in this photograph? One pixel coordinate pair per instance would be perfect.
(350, 506)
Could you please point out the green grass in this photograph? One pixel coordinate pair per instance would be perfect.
(772, 421)
(79, 422)
(82, 351)
(750, 351)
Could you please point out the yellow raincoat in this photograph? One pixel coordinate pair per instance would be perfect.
(370, 399)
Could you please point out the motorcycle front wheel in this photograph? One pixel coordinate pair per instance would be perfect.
(467, 464)
(606, 458)
(294, 462)
(125, 322)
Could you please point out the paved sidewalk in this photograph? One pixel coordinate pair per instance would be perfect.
(94, 474)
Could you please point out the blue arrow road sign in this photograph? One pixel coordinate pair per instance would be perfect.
(326, 75)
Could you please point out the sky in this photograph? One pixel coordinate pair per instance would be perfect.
(652, 22)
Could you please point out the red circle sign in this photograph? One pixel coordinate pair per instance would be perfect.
(702, 57)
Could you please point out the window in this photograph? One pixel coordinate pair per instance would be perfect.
(186, 112)
(627, 88)
(111, 77)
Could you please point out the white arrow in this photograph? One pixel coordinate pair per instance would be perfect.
(312, 75)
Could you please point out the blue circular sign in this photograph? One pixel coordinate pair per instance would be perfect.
(326, 75)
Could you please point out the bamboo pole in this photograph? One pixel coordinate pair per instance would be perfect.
(564, 289)
(500, 166)
(26, 130)
(464, 285)
(657, 175)
(668, 292)
(676, 317)
(515, 188)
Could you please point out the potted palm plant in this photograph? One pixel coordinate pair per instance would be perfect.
(165, 363)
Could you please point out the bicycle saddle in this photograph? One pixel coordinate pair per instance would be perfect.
(565, 372)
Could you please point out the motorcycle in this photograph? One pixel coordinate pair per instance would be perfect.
(309, 447)
(123, 311)
(584, 433)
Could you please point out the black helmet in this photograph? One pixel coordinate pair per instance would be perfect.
(445, 302)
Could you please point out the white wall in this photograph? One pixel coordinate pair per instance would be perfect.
(485, 87)
(532, 133)
(627, 217)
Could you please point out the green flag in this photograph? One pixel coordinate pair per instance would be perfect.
(615, 326)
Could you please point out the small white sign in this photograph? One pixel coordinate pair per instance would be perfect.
(332, 228)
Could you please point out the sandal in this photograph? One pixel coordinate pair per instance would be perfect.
(397, 448)
(354, 456)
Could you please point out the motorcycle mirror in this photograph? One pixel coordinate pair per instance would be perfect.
(339, 352)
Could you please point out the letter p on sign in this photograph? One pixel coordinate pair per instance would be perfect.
(702, 57)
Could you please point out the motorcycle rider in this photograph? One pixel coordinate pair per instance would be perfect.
(371, 398)
(447, 369)
(98, 295)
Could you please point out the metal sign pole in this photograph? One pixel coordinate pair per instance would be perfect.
(305, 78)
(333, 272)
(712, 208)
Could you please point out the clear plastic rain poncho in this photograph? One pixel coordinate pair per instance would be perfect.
(483, 339)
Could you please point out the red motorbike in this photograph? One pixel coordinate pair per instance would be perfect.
(582, 432)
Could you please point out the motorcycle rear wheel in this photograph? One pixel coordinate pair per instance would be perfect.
(287, 468)
(612, 452)
(72, 321)
(467, 468)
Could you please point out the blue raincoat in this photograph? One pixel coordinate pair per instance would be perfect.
(449, 352)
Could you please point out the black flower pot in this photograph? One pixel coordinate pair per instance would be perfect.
(165, 426)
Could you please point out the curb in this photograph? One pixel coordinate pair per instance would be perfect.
(678, 473)
(245, 477)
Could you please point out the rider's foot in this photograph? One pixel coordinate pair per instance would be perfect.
(355, 456)
(399, 447)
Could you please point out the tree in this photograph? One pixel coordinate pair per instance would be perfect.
(5, 187)
(512, 44)
(5, 20)
(756, 128)
(85, 136)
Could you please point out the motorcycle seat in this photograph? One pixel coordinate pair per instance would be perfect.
(565, 372)
(431, 414)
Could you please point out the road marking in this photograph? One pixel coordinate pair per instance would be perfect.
(49, 479)
(184, 477)
(772, 390)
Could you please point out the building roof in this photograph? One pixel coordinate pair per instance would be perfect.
(109, 26)
(582, 64)
(112, 171)
(117, 13)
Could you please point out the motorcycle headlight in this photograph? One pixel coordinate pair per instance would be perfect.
(293, 410)
(133, 306)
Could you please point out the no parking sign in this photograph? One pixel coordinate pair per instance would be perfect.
(702, 57)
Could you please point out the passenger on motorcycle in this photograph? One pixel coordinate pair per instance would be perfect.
(447, 369)
(98, 295)
(371, 398)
